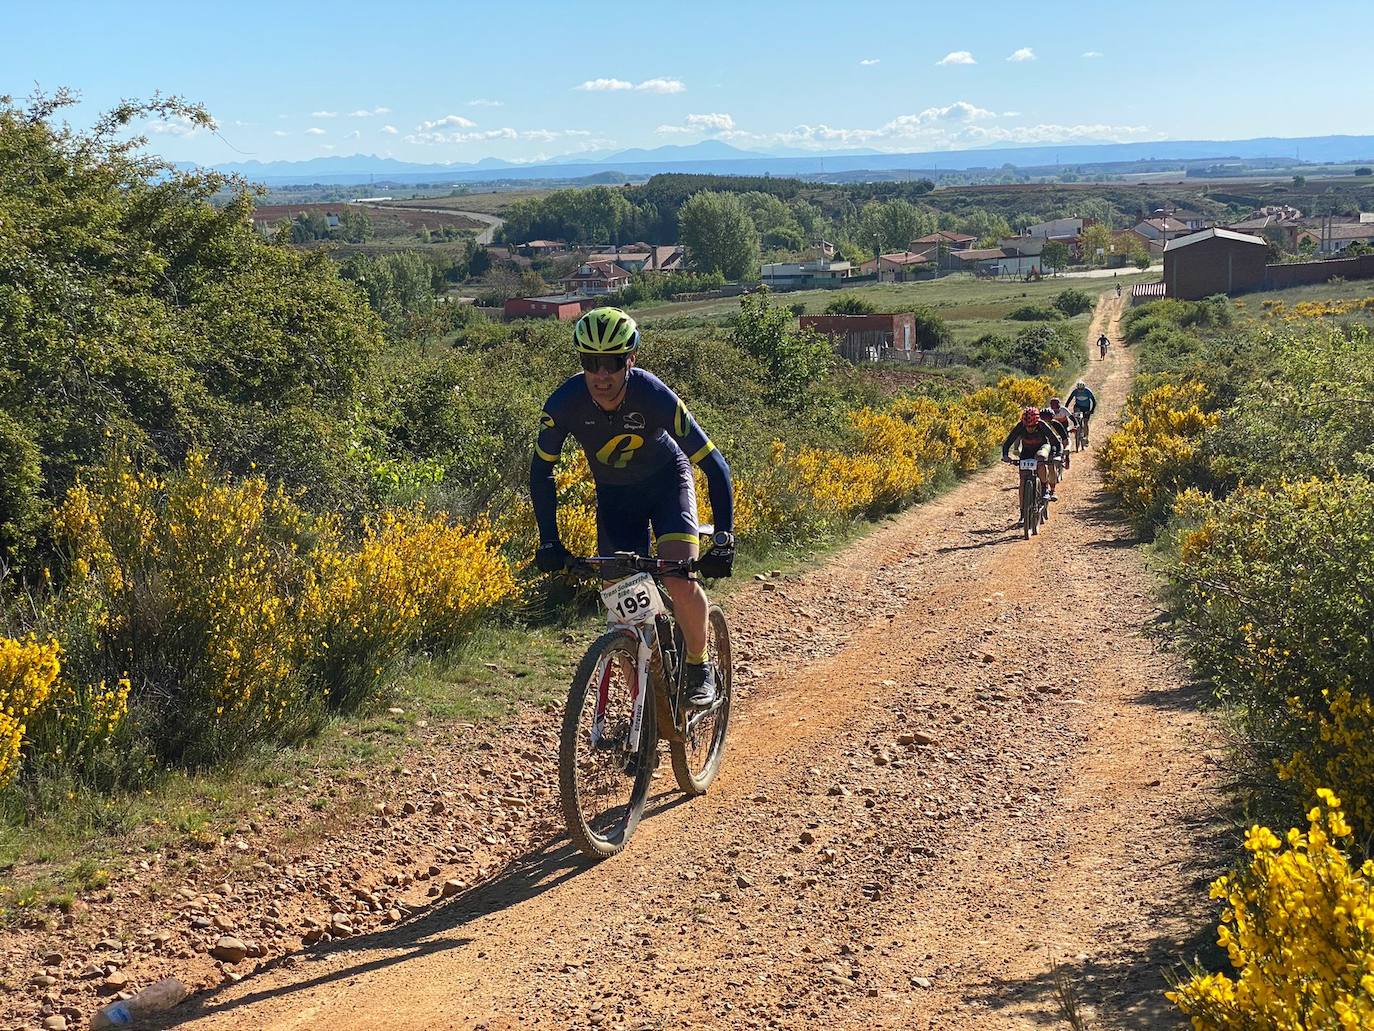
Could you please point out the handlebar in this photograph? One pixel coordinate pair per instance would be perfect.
(625, 563)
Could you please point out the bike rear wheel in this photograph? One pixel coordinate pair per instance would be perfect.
(696, 761)
(602, 783)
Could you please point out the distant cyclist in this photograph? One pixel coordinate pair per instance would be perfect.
(1035, 438)
(1084, 403)
(1102, 344)
(641, 443)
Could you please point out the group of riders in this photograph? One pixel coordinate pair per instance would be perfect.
(641, 443)
(1049, 433)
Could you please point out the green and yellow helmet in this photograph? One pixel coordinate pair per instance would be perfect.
(606, 331)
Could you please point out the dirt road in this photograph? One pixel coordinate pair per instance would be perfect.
(959, 761)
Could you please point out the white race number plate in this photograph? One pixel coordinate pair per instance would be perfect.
(1029, 463)
(634, 600)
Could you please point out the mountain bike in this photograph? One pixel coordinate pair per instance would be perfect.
(628, 695)
(1035, 510)
(1084, 418)
(1080, 433)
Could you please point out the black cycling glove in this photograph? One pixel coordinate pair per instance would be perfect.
(551, 558)
(717, 562)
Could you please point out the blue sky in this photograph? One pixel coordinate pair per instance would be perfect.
(438, 82)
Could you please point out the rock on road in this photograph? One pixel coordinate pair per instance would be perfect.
(959, 762)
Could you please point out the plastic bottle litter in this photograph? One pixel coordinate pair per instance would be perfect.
(155, 998)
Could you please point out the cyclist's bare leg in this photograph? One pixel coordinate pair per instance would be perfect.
(690, 604)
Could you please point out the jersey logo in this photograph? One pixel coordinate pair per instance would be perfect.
(619, 450)
(680, 420)
(634, 420)
(546, 420)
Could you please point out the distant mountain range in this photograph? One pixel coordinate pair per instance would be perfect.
(719, 158)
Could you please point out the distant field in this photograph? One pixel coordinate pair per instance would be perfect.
(486, 203)
(973, 306)
(386, 222)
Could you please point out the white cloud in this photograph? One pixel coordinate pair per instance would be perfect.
(1024, 54)
(280, 132)
(658, 85)
(714, 122)
(868, 61)
(324, 114)
(1092, 53)
(603, 85)
(314, 130)
(957, 57)
(953, 126)
(448, 121)
(1011, 114)
(390, 130)
(506, 133)
(178, 125)
(363, 113)
(662, 86)
(326, 146)
(483, 102)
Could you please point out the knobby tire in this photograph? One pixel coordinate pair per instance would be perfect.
(710, 735)
(602, 838)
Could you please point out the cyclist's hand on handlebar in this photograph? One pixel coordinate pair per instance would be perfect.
(717, 562)
(551, 558)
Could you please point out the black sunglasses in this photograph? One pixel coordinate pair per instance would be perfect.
(606, 362)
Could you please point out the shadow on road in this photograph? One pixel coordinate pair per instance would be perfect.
(1125, 988)
(431, 931)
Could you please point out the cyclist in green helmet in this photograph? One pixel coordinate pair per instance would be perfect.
(641, 443)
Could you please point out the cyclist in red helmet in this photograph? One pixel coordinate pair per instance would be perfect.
(1035, 437)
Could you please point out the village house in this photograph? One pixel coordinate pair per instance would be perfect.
(643, 257)
(900, 266)
(802, 275)
(542, 248)
(596, 277)
(945, 244)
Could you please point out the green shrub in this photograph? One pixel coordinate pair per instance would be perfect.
(1035, 313)
(1073, 301)
(849, 304)
(932, 331)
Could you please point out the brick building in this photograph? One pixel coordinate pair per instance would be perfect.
(564, 307)
(865, 337)
(1214, 261)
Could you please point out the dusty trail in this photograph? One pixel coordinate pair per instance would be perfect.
(960, 760)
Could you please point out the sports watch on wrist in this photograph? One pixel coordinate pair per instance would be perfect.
(723, 539)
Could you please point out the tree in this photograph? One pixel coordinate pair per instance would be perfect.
(1135, 249)
(893, 224)
(1098, 244)
(795, 363)
(1364, 170)
(1055, 255)
(1299, 180)
(719, 235)
(1142, 261)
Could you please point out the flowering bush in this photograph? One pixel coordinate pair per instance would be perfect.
(28, 670)
(1273, 587)
(1156, 453)
(224, 614)
(1298, 929)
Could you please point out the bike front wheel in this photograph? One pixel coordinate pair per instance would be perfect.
(603, 777)
(696, 761)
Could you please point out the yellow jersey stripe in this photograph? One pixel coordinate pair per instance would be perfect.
(706, 449)
(551, 459)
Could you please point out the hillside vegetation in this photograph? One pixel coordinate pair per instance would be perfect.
(245, 487)
(1251, 450)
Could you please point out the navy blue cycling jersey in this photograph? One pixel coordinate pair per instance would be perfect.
(648, 433)
(650, 429)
